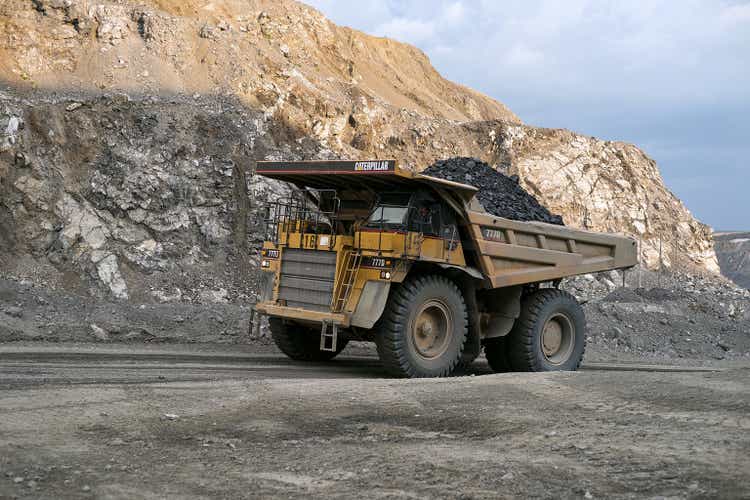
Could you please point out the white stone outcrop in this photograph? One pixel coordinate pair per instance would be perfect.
(109, 273)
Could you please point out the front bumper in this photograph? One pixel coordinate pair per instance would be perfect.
(273, 309)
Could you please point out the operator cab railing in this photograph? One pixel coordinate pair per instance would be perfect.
(414, 216)
(312, 211)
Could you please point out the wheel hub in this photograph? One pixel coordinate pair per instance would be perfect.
(558, 338)
(431, 329)
(552, 338)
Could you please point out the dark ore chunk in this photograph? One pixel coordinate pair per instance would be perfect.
(499, 194)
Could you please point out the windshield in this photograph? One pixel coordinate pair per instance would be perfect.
(387, 215)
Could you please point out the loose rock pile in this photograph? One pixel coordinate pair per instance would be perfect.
(663, 316)
(499, 194)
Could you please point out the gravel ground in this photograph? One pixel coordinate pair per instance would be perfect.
(123, 415)
(99, 428)
(31, 312)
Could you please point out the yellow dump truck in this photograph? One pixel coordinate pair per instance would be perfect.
(369, 251)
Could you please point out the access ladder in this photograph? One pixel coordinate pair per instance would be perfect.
(345, 282)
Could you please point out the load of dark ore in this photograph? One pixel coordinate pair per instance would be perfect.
(499, 194)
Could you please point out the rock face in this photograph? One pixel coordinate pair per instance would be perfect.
(733, 250)
(609, 186)
(128, 132)
(147, 198)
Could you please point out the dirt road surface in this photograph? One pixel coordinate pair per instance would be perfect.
(127, 422)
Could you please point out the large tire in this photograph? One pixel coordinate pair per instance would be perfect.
(550, 334)
(496, 352)
(423, 329)
(301, 343)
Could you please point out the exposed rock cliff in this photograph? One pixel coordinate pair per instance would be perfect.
(128, 131)
(609, 186)
(148, 197)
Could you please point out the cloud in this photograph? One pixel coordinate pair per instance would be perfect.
(419, 30)
(735, 14)
(521, 55)
(414, 30)
(453, 13)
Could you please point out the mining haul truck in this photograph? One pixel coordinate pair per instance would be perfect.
(370, 251)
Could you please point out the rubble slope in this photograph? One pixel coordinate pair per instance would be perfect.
(128, 132)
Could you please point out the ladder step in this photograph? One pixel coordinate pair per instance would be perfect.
(328, 340)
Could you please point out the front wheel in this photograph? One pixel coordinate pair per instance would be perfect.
(423, 329)
(301, 343)
(550, 334)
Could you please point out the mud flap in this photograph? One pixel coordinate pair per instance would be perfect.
(473, 346)
(371, 304)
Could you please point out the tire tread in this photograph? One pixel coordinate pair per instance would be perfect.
(521, 349)
(300, 346)
(390, 340)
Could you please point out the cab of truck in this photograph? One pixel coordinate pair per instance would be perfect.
(331, 245)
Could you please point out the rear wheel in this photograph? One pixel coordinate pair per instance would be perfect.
(423, 329)
(301, 343)
(550, 334)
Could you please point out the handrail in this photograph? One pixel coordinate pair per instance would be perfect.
(297, 213)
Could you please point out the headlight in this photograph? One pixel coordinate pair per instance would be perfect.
(265, 263)
(386, 275)
(324, 241)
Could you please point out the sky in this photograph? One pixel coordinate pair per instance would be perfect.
(671, 76)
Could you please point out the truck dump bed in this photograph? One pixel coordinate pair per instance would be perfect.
(514, 253)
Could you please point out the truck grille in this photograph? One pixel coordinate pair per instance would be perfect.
(307, 278)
